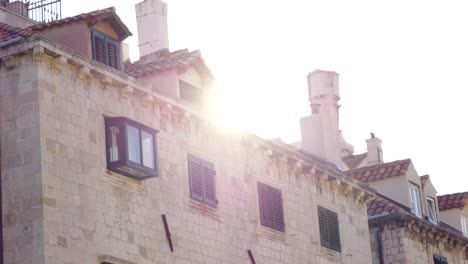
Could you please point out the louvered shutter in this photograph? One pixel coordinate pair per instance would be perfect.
(334, 231)
(277, 203)
(266, 213)
(209, 174)
(324, 228)
(112, 54)
(196, 177)
(99, 47)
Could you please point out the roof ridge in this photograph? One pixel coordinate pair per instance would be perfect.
(381, 164)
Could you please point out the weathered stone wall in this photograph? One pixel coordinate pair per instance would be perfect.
(402, 246)
(20, 161)
(90, 212)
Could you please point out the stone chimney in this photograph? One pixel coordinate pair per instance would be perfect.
(152, 26)
(320, 131)
(374, 150)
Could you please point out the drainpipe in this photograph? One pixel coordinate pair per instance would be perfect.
(379, 243)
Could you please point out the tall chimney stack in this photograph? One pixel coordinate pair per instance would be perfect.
(152, 26)
(374, 150)
(320, 131)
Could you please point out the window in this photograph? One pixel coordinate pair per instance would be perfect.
(202, 180)
(105, 49)
(439, 260)
(464, 224)
(329, 229)
(271, 207)
(415, 200)
(189, 92)
(131, 148)
(431, 210)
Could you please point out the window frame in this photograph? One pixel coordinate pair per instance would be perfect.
(272, 198)
(416, 210)
(205, 165)
(431, 201)
(329, 221)
(464, 225)
(196, 93)
(123, 160)
(107, 39)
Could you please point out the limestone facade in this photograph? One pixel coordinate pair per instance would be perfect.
(61, 204)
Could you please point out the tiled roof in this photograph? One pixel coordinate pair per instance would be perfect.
(8, 32)
(164, 60)
(383, 205)
(454, 200)
(380, 171)
(104, 13)
(353, 161)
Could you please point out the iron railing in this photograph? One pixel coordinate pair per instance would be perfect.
(40, 10)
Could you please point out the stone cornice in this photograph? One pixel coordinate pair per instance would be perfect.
(422, 228)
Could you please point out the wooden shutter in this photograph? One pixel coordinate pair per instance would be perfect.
(209, 183)
(112, 54)
(99, 47)
(196, 177)
(277, 203)
(323, 226)
(266, 213)
(334, 231)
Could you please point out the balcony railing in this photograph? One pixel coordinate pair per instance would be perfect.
(39, 10)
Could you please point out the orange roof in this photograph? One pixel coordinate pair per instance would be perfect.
(380, 171)
(8, 32)
(454, 200)
(108, 14)
(384, 205)
(353, 161)
(164, 60)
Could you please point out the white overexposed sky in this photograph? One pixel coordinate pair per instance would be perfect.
(402, 64)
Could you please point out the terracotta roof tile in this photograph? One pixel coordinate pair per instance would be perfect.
(164, 60)
(383, 205)
(380, 171)
(454, 200)
(107, 12)
(354, 161)
(8, 32)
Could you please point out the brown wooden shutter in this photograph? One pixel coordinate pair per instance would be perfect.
(113, 54)
(196, 177)
(209, 183)
(323, 226)
(334, 231)
(266, 213)
(277, 203)
(99, 48)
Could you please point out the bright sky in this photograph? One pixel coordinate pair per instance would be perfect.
(402, 64)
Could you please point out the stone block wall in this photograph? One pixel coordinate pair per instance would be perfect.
(89, 214)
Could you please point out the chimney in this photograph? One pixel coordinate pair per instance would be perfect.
(152, 26)
(320, 131)
(374, 150)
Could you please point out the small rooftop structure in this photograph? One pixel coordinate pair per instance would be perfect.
(41, 11)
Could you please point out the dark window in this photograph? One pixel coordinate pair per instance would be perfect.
(131, 148)
(202, 180)
(271, 207)
(105, 49)
(189, 92)
(440, 260)
(329, 229)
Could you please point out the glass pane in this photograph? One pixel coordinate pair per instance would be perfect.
(148, 149)
(114, 143)
(133, 144)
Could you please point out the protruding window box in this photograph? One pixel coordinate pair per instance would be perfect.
(131, 148)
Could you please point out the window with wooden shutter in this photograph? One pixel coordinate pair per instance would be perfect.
(271, 207)
(105, 49)
(202, 180)
(329, 228)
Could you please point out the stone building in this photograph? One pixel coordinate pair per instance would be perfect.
(104, 161)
